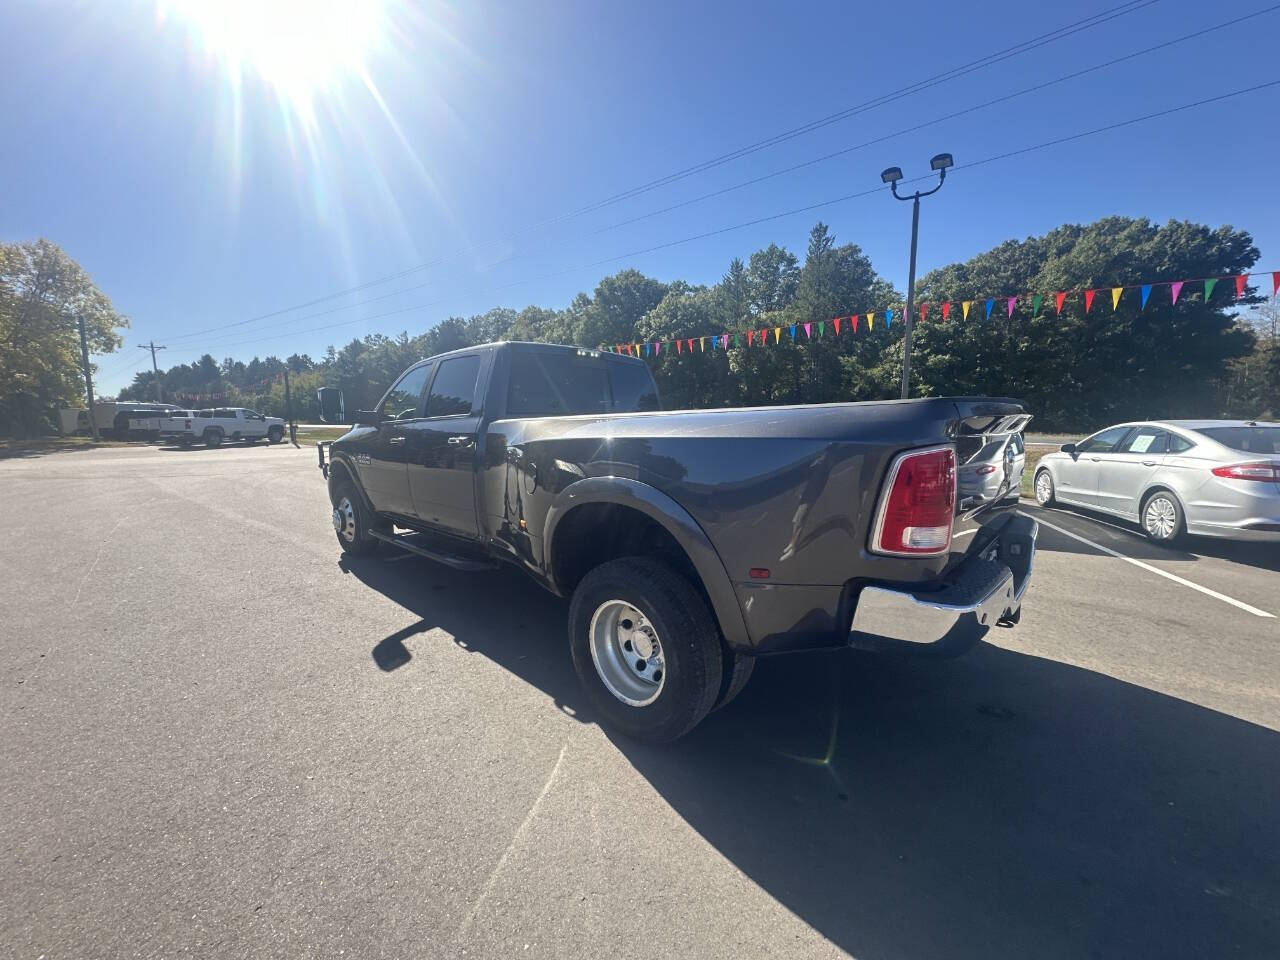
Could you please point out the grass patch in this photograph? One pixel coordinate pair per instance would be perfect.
(313, 435)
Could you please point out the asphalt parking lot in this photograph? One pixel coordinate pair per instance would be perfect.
(219, 739)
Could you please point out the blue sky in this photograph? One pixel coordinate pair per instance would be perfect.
(456, 126)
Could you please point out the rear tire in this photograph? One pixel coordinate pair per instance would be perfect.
(213, 438)
(275, 434)
(675, 637)
(1162, 519)
(735, 672)
(1044, 488)
(351, 520)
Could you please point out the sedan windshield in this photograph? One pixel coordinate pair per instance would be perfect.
(1259, 439)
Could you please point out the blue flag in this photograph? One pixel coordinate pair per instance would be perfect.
(888, 318)
(990, 304)
(793, 331)
(1146, 292)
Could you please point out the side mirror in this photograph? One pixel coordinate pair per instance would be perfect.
(368, 418)
(332, 409)
(1068, 448)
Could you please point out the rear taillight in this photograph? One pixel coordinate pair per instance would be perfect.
(1266, 472)
(986, 469)
(918, 504)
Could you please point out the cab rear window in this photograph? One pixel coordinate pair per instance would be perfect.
(551, 384)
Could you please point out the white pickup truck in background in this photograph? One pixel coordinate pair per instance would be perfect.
(212, 427)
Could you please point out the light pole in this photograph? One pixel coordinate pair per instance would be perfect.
(891, 176)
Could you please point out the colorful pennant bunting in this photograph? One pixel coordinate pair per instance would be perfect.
(1057, 300)
(1088, 300)
(1146, 292)
(1115, 297)
(1175, 288)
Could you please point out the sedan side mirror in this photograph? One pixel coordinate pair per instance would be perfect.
(368, 418)
(1068, 448)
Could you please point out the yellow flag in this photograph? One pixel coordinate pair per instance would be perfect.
(702, 344)
(1115, 296)
(871, 321)
(777, 334)
(965, 308)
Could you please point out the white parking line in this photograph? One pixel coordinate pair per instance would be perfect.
(1156, 570)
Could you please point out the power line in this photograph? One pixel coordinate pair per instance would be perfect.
(816, 160)
(1026, 46)
(1057, 141)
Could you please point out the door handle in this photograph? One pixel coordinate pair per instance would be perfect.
(1094, 459)
(396, 441)
(1148, 463)
(464, 440)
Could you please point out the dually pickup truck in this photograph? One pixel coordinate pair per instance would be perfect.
(690, 542)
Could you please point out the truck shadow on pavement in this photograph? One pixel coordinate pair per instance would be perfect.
(1000, 804)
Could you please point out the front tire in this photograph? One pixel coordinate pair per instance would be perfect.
(646, 649)
(275, 434)
(351, 521)
(1162, 519)
(1044, 489)
(213, 438)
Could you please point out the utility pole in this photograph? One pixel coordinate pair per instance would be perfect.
(154, 369)
(88, 379)
(288, 408)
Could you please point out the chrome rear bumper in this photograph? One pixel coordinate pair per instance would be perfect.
(983, 592)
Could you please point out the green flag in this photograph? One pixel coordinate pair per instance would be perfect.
(1208, 289)
(1035, 305)
(822, 327)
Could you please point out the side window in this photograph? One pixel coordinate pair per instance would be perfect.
(1179, 444)
(250, 415)
(404, 400)
(204, 414)
(1104, 442)
(1017, 444)
(454, 388)
(1145, 440)
(225, 414)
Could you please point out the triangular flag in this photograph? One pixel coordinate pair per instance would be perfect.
(822, 328)
(679, 346)
(737, 339)
(1115, 296)
(1275, 282)
(946, 310)
(702, 344)
(637, 346)
(1208, 288)
(777, 334)
(660, 348)
(964, 309)
(1035, 305)
(871, 321)
(793, 331)
(619, 348)
(1175, 288)
(646, 348)
(837, 320)
(724, 341)
(1146, 292)
(690, 343)
(924, 311)
(1012, 303)
(990, 303)
(1088, 300)
(808, 332)
(751, 336)
(1058, 298)
(1240, 282)
(888, 319)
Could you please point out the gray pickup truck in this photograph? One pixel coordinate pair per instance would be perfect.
(690, 542)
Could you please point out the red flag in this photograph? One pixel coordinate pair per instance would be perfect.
(924, 311)
(1275, 282)
(679, 346)
(1058, 298)
(617, 348)
(764, 336)
(690, 343)
(853, 323)
(751, 337)
(946, 310)
(836, 321)
(1088, 299)
(1240, 282)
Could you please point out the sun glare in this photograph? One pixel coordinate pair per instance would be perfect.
(300, 49)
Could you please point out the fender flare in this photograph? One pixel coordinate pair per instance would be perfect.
(672, 517)
(340, 462)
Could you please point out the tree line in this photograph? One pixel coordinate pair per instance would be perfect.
(1076, 370)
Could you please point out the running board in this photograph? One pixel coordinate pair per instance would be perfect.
(458, 563)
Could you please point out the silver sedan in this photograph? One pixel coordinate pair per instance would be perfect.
(1215, 478)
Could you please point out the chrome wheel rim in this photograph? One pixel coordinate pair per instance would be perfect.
(344, 520)
(1160, 518)
(1044, 488)
(627, 653)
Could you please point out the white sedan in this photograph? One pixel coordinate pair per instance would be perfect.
(1215, 478)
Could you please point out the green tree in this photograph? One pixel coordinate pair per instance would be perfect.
(43, 296)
